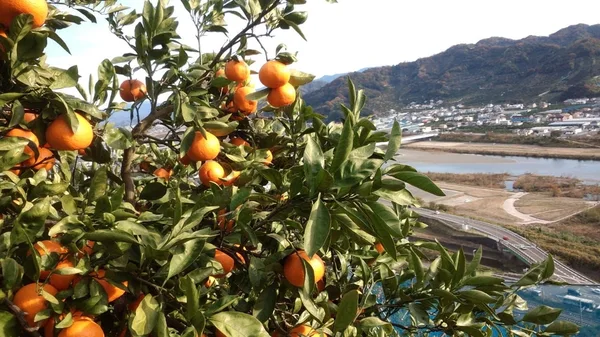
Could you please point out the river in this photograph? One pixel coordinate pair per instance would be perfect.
(444, 162)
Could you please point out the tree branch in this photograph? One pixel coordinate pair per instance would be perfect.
(20, 315)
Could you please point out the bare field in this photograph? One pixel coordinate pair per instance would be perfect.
(546, 207)
(508, 150)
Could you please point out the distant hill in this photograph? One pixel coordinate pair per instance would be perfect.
(563, 65)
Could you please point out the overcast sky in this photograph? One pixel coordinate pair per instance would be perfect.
(355, 34)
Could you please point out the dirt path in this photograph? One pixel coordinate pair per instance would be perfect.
(509, 207)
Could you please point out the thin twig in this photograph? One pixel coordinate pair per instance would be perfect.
(20, 315)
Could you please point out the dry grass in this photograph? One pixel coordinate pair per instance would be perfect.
(489, 209)
(474, 179)
(556, 186)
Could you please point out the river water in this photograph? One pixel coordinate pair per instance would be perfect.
(443, 162)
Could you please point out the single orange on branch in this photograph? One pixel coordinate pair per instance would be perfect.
(31, 302)
(113, 292)
(44, 160)
(282, 96)
(10, 9)
(132, 90)
(163, 173)
(60, 136)
(202, 148)
(293, 268)
(274, 74)
(242, 103)
(226, 261)
(26, 134)
(237, 71)
(211, 171)
(82, 327)
(305, 331)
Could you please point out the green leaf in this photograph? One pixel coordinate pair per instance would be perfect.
(193, 303)
(347, 311)
(184, 256)
(317, 228)
(394, 142)
(418, 180)
(344, 146)
(12, 273)
(562, 328)
(9, 326)
(478, 281)
(237, 324)
(542, 315)
(153, 191)
(107, 235)
(374, 322)
(476, 296)
(548, 268)
(472, 267)
(263, 309)
(417, 266)
(99, 184)
(145, 316)
(314, 162)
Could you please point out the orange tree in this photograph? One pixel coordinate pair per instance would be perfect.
(215, 215)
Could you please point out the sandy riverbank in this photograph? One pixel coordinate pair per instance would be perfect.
(508, 150)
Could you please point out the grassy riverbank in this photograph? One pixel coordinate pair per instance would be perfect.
(489, 180)
(510, 138)
(498, 149)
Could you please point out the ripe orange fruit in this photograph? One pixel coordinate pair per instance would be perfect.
(242, 103)
(82, 327)
(274, 74)
(226, 261)
(132, 90)
(15, 170)
(60, 136)
(45, 160)
(211, 171)
(51, 247)
(237, 71)
(204, 148)
(12, 8)
(112, 291)
(28, 300)
(163, 173)
(28, 150)
(294, 271)
(282, 96)
(3, 34)
(145, 166)
(304, 331)
(28, 117)
(379, 248)
(237, 141)
(62, 282)
(224, 225)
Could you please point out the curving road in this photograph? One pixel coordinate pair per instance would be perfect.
(520, 246)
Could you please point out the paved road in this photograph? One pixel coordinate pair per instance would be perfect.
(522, 247)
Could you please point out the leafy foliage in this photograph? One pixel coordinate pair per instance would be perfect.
(161, 240)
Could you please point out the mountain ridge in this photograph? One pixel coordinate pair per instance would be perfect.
(565, 64)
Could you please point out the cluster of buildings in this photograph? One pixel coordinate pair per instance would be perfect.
(573, 116)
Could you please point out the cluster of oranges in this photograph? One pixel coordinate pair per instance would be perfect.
(59, 136)
(30, 300)
(276, 76)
